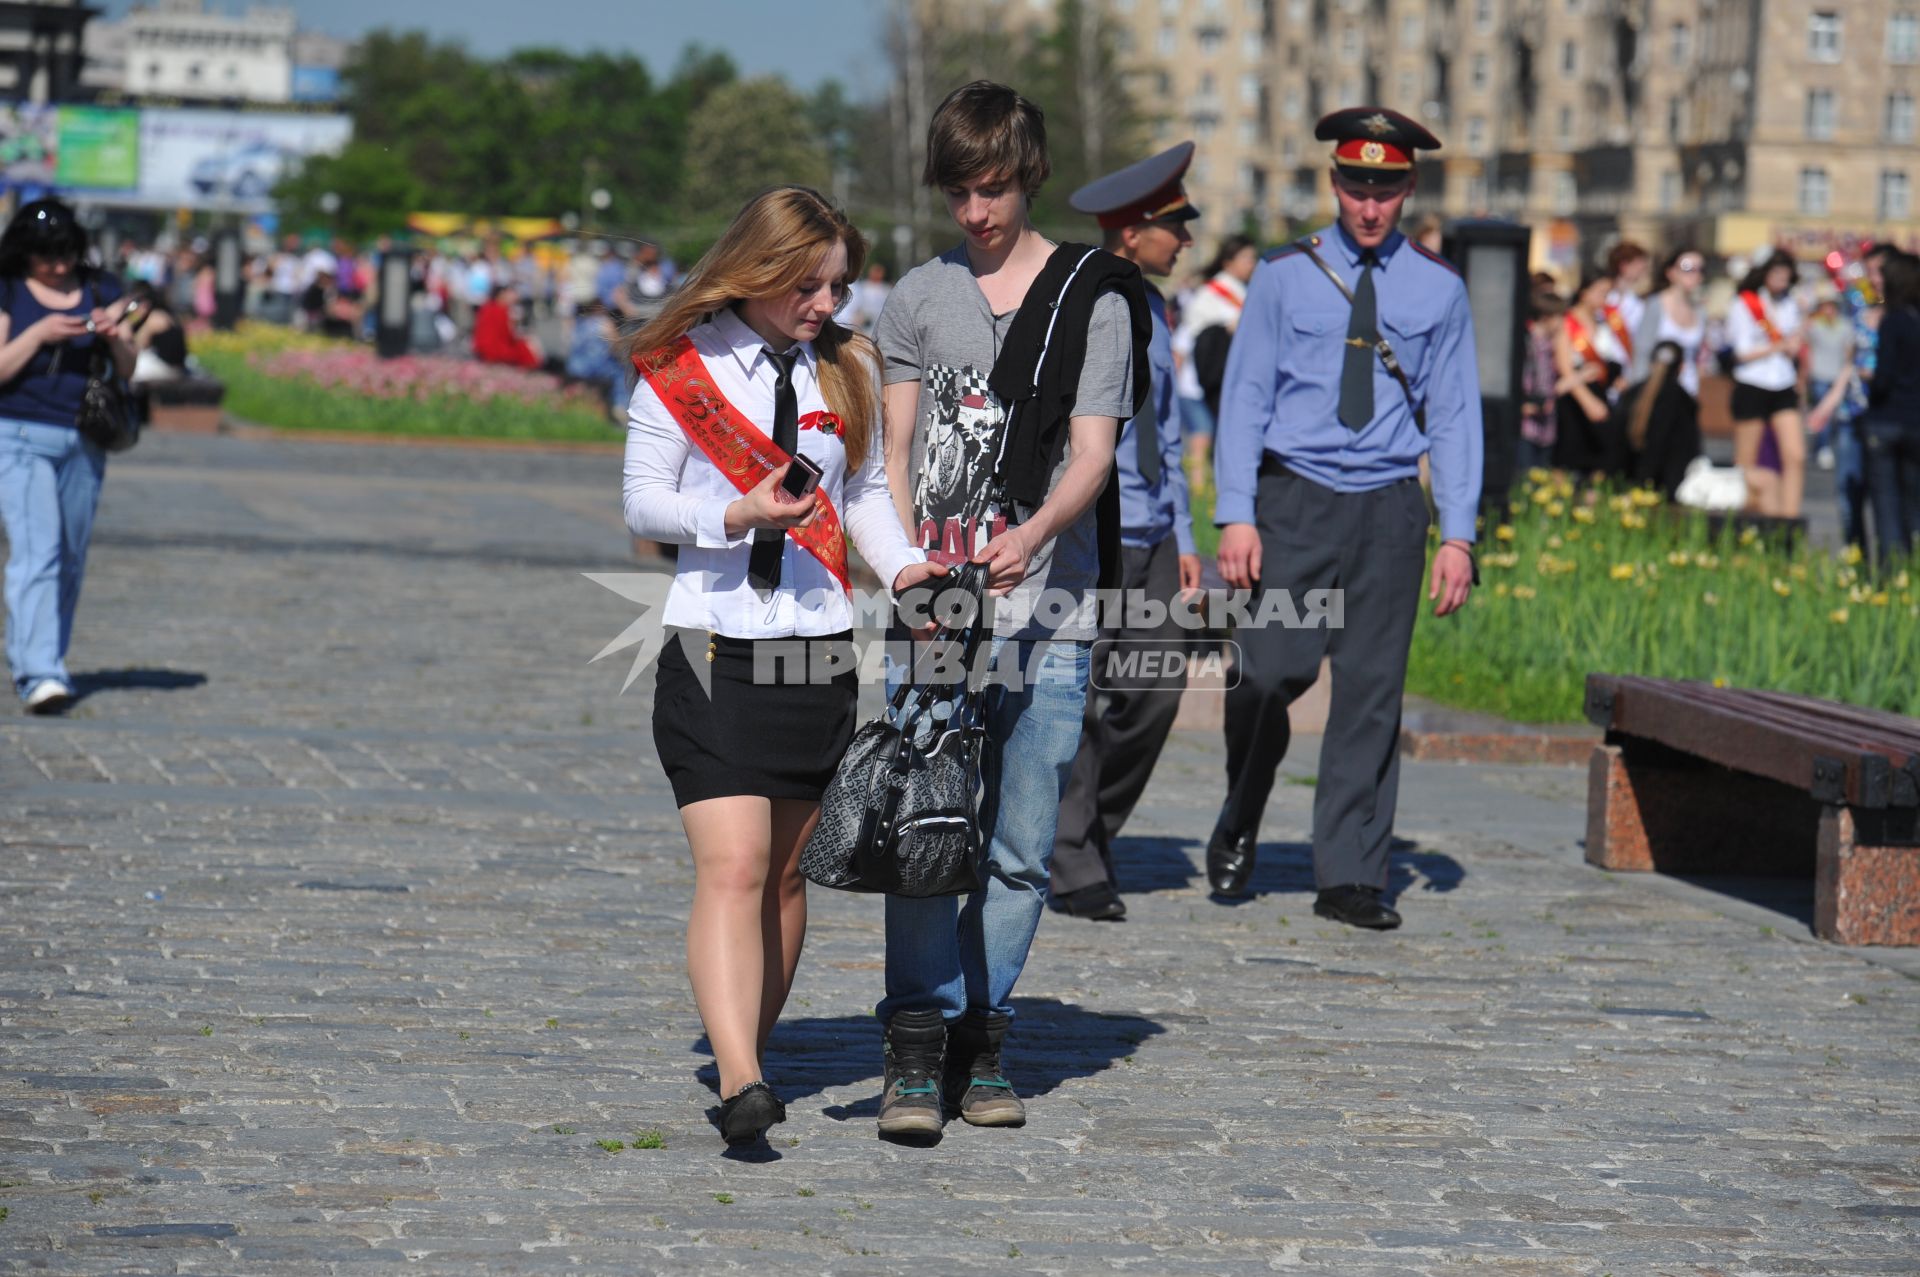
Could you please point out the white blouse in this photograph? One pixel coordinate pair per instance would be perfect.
(1206, 310)
(1744, 333)
(674, 494)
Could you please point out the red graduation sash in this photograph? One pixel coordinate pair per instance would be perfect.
(1618, 323)
(739, 448)
(1582, 344)
(1758, 309)
(1219, 289)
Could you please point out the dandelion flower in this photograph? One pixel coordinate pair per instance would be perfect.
(1537, 475)
(1504, 532)
(1556, 508)
(1583, 514)
(1710, 599)
(1621, 572)
(1678, 558)
(1524, 591)
(1749, 535)
(1838, 616)
(1851, 556)
(1781, 587)
(1878, 600)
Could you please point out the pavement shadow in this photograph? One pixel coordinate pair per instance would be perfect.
(1170, 864)
(1790, 897)
(1051, 1042)
(85, 685)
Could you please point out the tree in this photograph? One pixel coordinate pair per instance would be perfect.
(375, 190)
(749, 135)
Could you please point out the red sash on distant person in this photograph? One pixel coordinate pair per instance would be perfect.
(1618, 322)
(1581, 342)
(1221, 290)
(1757, 307)
(738, 447)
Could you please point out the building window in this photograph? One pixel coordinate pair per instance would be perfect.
(1669, 191)
(1250, 89)
(1476, 135)
(1570, 57)
(1676, 119)
(1820, 112)
(1566, 194)
(1249, 133)
(1165, 84)
(1899, 121)
(1204, 125)
(1480, 72)
(1206, 85)
(1169, 42)
(193, 71)
(1681, 46)
(1824, 36)
(1350, 44)
(1903, 37)
(1483, 16)
(1564, 124)
(1409, 29)
(1251, 46)
(1171, 8)
(1211, 40)
(1816, 191)
(1409, 85)
(1290, 105)
(1896, 195)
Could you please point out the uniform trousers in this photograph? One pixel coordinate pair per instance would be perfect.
(1131, 704)
(1372, 547)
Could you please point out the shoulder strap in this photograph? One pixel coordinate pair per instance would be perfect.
(1387, 357)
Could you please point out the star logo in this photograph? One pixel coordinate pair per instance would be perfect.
(647, 634)
(1377, 124)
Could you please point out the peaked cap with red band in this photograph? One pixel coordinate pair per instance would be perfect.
(1149, 191)
(1374, 145)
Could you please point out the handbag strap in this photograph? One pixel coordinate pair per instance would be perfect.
(1387, 356)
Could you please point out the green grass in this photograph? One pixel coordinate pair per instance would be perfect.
(297, 404)
(1631, 587)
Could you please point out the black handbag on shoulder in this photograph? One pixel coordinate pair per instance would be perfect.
(901, 814)
(107, 419)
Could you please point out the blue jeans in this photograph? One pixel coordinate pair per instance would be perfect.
(1195, 417)
(49, 488)
(1850, 481)
(1893, 474)
(953, 952)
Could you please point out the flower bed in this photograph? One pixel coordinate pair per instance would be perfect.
(294, 381)
(1626, 584)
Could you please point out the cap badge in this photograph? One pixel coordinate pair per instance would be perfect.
(1373, 152)
(1377, 124)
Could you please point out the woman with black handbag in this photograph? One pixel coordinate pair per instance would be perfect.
(746, 383)
(60, 346)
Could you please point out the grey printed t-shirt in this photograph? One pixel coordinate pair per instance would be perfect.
(937, 329)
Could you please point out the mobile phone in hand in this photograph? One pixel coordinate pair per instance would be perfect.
(802, 477)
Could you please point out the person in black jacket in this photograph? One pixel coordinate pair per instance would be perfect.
(950, 337)
(1891, 428)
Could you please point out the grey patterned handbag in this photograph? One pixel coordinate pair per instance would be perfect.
(901, 814)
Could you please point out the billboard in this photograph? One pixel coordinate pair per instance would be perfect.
(29, 143)
(227, 159)
(97, 147)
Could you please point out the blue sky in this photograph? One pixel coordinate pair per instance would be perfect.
(806, 41)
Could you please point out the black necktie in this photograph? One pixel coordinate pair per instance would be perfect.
(1356, 373)
(1146, 437)
(763, 562)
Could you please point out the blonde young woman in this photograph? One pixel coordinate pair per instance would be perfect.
(742, 370)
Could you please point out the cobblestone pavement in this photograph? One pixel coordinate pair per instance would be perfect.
(341, 927)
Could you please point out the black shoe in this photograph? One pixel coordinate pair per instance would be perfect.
(1230, 859)
(746, 1117)
(979, 1093)
(1099, 902)
(1356, 906)
(916, 1046)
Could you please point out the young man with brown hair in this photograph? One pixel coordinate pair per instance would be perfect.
(992, 461)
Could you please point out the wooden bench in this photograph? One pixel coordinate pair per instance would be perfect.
(1699, 779)
(191, 405)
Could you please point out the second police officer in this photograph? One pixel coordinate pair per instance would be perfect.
(1135, 688)
(1354, 357)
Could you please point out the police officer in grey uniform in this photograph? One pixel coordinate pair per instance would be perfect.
(1143, 211)
(1354, 357)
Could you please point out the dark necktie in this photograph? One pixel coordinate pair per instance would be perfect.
(763, 562)
(1356, 373)
(1146, 436)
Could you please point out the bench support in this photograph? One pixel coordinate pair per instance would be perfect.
(1867, 887)
(1653, 809)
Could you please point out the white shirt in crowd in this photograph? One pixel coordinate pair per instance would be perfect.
(1744, 333)
(1207, 307)
(674, 494)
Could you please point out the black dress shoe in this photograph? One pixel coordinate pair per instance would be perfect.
(1099, 902)
(1230, 858)
(746, 1117)
(1356, 906)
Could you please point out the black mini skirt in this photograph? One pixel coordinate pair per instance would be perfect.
(779, 717)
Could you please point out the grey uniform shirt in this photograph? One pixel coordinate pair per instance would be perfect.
(937, 329)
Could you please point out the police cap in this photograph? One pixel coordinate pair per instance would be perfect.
(1149, 191)
(1372, 144)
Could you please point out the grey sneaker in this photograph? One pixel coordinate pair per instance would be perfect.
(973, 1081)
(910, 1097)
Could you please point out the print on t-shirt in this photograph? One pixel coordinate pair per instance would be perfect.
(952, 503)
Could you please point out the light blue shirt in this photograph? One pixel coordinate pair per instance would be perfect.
(1282, 388)
(1149, 511)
